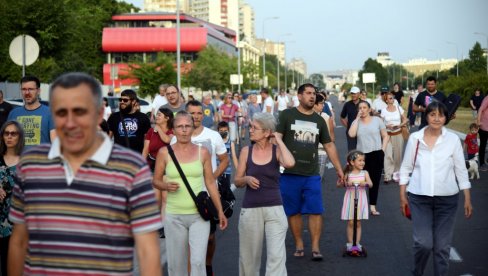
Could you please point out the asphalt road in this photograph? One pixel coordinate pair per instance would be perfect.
(388, 237)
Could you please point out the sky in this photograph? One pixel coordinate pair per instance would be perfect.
(342, 34)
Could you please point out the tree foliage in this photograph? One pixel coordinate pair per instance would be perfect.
(152, 75)
(212, 70)
(69, 34)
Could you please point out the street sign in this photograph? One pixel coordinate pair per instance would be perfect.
(24, 51)
(369, 78)
(235, 79)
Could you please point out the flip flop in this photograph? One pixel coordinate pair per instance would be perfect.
(299, 253)
(316, 256)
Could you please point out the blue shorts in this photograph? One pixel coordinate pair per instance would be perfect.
(301, 194)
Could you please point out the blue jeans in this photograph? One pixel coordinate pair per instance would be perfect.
(433, 225)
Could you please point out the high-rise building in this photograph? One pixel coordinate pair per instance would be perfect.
(165, 5)
(272, 48)
(220, 12)
(299, 65)
(246, 22)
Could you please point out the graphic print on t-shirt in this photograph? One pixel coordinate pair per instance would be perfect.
(305, 132)
(305, 137)
(32, 129)
(131, 124)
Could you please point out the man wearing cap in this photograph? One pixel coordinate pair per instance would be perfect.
(349, 114)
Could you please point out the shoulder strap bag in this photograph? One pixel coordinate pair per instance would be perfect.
(405, 130)
(204, 203)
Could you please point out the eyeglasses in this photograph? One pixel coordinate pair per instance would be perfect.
(251, 127)
(391, 98)
(10, 133)
(124, 100)
(183, 127)
(171, 93)
(28, 90)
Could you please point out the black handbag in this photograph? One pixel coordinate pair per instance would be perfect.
(204, 203)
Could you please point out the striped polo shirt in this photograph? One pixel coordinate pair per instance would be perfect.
(84, 226)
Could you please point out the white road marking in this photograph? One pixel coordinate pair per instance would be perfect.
(454, 255)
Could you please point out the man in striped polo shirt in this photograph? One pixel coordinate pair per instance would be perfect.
(81, 205)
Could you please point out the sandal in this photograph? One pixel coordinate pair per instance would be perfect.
(375, 213)
(316, 256)
(299, 253)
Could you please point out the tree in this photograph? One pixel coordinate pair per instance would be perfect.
(152, 75)
(69, 34)
(476, 62)
(212, 70)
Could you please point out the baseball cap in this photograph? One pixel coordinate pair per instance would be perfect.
(385, 89)
(354, 90)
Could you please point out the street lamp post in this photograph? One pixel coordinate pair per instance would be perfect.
(178, 46)
(437, 59)
(278, 61)
(457, 57)
(483, 34)
(264, 47)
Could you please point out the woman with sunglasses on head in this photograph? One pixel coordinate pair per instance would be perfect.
(262, 215)
(11, 146)
(394, 117)
(372, 140)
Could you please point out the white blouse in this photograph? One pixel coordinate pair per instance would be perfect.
(436, 170)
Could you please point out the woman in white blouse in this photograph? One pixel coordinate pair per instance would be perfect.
(433, 188)
(394, 120)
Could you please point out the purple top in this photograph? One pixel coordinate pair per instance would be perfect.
(268, 175)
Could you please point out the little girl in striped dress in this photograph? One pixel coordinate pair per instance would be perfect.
(354, 173)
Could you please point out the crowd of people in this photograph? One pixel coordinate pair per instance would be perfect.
(89, 191)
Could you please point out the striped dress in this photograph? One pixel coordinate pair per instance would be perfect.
(348, 205)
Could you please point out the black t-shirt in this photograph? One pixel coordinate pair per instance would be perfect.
(5, 109)
(424, 99)
(302, 134)
(137, 125)
(398, 96)
(349, 111)
(477, 101)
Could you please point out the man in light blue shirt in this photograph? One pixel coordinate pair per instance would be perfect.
(34, 117)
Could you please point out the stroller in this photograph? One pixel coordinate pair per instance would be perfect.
(355, 250)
